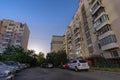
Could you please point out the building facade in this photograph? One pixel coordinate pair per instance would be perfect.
(13, 34)
(106, 21)
(57, 43)
(94, 30)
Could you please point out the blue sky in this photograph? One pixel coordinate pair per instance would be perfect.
(44, 18)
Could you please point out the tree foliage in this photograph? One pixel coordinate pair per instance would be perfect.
(19, 54)
(56, 57)
(40, 58)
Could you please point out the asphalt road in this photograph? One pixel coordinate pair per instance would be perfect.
(61, 74)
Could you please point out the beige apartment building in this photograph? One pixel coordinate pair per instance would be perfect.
(94, 30)
(57, 43)
(13, 33)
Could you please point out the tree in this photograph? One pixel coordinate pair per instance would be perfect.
(56, 57)
(40, 58)
(19, 54)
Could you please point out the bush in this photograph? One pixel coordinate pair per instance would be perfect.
(99, 61)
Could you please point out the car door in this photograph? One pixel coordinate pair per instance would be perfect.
(74, 64)
(69, 65)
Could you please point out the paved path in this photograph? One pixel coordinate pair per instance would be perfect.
(61, 74)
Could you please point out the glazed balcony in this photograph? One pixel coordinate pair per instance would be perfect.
(110, 46)
(96, 6)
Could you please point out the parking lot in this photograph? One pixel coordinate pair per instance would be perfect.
(9, 69)
(61, 74)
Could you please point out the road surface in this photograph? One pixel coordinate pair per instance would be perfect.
(61, 74)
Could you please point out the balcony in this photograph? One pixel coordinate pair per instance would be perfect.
(110, 46)
(101, 14)
(69, 41)
(102, 25)
(105, 35)
(96, 6)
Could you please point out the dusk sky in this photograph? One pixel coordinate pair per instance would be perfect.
(43, 17)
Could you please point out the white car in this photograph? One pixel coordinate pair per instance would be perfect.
(78, 65)
(50, 65)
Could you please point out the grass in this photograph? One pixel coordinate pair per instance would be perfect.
(105, 69)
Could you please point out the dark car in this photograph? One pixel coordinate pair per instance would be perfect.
(47, 65)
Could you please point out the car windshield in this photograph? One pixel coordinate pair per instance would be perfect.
(11, 63)
(64, 62)
(82, 61)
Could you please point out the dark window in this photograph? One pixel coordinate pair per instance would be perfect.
(114, 54)
(89, 41)
(18, 41)
(11, 24)
(4, 45)
(74, 61)
(99, 46)
(107, 40)
(5, 26)
(90, 49)
(6, 40)
(82, 61)
(21, 26)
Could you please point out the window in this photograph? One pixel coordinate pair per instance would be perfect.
(89, 41)
(5, 26)
(114, 54)
(21, 26)
(18, 41)
(6, 40)
(99, 45)
(4, 45)
(107, 40)
(95, 6)
(17, 46)
(91, 50)
(11, 24)
(9, 28)
(21, 31)
(101, 10)
(7, 36)
(8, 33)
(88, 34)
(101, 20)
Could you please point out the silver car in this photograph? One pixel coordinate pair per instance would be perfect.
(5, 74)
(12, 69)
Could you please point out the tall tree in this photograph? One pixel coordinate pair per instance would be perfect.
(40, 58)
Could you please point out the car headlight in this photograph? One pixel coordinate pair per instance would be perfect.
(4, 74)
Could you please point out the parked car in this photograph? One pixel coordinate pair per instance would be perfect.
(64, 65)
(5, 74)
(14, 64)
(78, 65)
(12, 69)
(47, 65)
(24, 66)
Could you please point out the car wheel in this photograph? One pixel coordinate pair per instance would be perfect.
(87, 70)
(76, 69)
(12, 78)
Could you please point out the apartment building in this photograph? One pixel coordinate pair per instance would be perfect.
(106, 21)
(13, 33)
(57, 43)
(94, 30)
